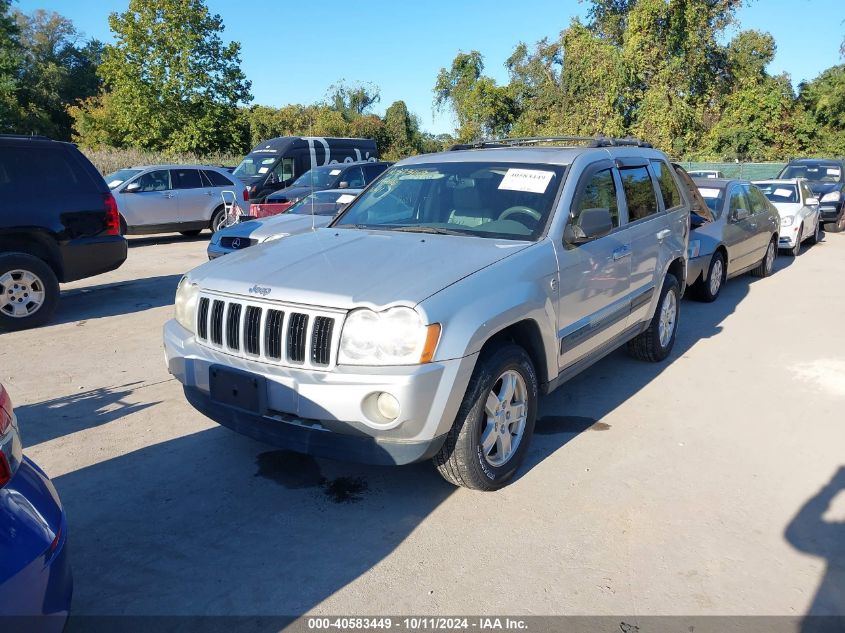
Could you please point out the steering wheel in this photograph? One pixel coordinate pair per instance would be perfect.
(521, 210)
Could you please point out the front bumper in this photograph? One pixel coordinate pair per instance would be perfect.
(86, 257)
(35, 578)
(697, 268)
(788, 236)
(216, 250)
(830, 213)
(329, 413)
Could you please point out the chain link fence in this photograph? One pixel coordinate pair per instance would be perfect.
(743, 171)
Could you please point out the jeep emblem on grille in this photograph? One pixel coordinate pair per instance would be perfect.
(260, 290)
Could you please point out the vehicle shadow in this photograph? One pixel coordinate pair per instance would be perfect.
(61, 416)
(123, 297)
(214, 523)
(810, 532)
(136, 241)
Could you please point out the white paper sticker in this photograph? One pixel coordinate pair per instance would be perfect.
(345, 198)
(783, 193)
(114, 183)
(334, 172)
(530, 180)
(833, 171)
(263, 170)
(709, 193)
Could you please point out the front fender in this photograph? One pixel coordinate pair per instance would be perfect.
(518, 288)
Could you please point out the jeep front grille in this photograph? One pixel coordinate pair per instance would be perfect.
(268, 332)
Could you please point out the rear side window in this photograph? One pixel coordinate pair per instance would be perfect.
(216, 178)
(668, 188)
(28, 169)
(599, 193)
(186, 179)
(639, 193)
(758, 201)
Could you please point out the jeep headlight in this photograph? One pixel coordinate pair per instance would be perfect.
(187, 296)
(394, 337)
(833, 196)
(787, 220)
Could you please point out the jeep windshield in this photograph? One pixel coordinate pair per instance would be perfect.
(494, 200)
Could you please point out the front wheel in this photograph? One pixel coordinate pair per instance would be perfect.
(657, 341)
(29, 292)
(816, 237)
(708, 289)
(795, 250)
(767, 264)
(490, 436)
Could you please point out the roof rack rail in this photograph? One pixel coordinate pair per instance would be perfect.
(34, 137)
(560, 141)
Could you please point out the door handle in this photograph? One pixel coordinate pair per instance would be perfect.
(621, 253)
(662, 235)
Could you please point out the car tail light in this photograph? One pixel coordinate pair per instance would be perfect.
(246, 195)
(5, 425)
(5, 410)
(112, 215)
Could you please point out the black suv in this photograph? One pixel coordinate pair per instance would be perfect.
(826, 179)
(58, 223)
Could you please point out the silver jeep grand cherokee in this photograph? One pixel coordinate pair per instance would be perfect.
(427, 318)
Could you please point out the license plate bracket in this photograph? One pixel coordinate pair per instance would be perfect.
(239, 389)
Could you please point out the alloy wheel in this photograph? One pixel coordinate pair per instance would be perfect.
(668, 315)
(505, 416)
(21, 293)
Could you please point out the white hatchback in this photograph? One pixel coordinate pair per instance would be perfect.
(798, 208)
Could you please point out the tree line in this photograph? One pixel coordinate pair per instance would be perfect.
(654, 69)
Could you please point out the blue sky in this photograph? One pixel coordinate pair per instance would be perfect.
(293, 51)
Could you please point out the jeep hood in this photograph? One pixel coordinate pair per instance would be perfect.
(349, 268)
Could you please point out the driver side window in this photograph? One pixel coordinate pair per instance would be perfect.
(283, 171)
(738, 201)
(158, 180)
(598, 193)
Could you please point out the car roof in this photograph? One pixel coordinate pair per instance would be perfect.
(815, 161)
(541, 155)
(337, 191)
(778, 181)
(176, 166)
(718, 183)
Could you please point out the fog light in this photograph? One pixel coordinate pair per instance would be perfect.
(388, 406)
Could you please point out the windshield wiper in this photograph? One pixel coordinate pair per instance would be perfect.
(428, 229)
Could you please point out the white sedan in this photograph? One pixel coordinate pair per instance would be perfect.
(799, 211)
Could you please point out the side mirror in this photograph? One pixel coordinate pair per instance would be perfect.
(812, 202)
(343, 185)
(592, 224)
(741, 214)
(132, 187)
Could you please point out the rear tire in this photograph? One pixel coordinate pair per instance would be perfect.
(707, 289)
(29, 289)
(656, 342)
(816, 237)
(767, 264)
(217, 219)
(479, 451)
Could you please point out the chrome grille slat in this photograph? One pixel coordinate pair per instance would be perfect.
(269, 331)
(297, 336)
(233, 326)
(273, 333)
(202, 318)
(216, 322)
(252, 330)
(321, 336)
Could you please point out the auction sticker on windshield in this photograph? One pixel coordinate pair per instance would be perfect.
(529, 180)
(709, 193)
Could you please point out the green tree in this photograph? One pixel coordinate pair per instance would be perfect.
(56, 72)
(11, 62)
(483, 109)
(171, 82)
(352, 100)
(824, 99)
